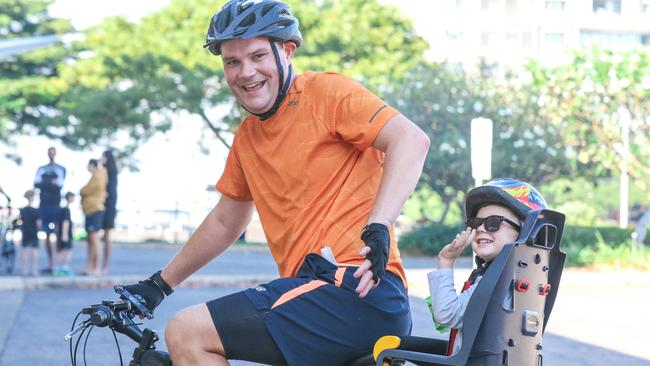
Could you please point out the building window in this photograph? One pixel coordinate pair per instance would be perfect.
(556, 39)
(555, 5)
(527, 40)
(618, 41)
(511, 7)
(454, 36)
(645, 6)
(489, 39)
(489, 4)
(607, 6)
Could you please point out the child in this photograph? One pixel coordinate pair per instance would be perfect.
(495, 213)
(64, 239)
(30, 222)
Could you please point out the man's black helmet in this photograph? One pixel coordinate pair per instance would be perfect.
(243, 19)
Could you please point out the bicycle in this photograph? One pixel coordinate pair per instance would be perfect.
(118, 316)
(8, 225)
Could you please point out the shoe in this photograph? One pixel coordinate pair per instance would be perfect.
(67, 271)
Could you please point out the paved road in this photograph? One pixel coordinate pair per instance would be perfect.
(33, 322)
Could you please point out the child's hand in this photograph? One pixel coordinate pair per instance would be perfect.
(451, 251)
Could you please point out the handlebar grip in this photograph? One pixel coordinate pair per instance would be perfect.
(101, 316)
(135, 302)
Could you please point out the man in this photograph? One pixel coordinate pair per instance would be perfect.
(327, 164)
(49, 180)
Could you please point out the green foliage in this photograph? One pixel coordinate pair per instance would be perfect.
(591, 202)
(139, 76)
(29, 83)
(363, 39)
(625, 256)
(586, 236)
(583, 100)
(426, 205)
(443, 100)
(428, 239)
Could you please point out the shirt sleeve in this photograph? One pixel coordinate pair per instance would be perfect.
(355, 114)
(233, 181)
(447, 305)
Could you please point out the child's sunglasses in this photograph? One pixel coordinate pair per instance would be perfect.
(491, 223)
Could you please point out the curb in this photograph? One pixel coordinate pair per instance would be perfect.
(16, 283)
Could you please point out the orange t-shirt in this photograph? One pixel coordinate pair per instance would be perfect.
(312, 171)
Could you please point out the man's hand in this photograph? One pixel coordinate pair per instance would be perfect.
(152, 290)
(451, 251)
(377, 239)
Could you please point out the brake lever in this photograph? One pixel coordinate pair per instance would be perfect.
(137, 303)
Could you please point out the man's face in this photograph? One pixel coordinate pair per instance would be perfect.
(51, 153)
(251, 72)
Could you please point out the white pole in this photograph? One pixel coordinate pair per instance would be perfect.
(624, 119)
(481, 150)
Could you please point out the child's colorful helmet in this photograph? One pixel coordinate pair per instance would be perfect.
(518, 196)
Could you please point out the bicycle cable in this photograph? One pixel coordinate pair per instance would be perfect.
(74, 322)
(73, 353)
(86, 342)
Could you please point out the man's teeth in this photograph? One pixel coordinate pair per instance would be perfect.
(484, 241)
(254, 86)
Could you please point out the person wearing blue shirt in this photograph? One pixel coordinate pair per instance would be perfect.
(49, 181)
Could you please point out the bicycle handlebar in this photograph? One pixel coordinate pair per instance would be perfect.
(118, 315)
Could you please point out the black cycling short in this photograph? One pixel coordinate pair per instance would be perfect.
(242, 330)
(315, 318)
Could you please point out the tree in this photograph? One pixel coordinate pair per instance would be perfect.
(136, 78)
(442, 100)
(587, 100)
(29, 83)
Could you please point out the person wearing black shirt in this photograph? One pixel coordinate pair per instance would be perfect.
(64, 239)
(110, 205)
(29, 223)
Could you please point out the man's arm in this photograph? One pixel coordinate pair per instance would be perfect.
(405, 146)
(223, 225)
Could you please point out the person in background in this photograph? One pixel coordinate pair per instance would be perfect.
(30, 221)
(64, 239)
(110, 205)
(93, 196)
(49, 181)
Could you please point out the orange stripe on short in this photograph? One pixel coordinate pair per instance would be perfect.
(338, 276)
(289, 295)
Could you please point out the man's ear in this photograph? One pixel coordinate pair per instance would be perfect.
(289, 49)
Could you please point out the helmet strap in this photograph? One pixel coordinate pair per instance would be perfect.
(283, 85)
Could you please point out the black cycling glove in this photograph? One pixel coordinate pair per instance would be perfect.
(152, 290)
(377, 237)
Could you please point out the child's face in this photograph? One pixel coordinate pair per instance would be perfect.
(488, 245)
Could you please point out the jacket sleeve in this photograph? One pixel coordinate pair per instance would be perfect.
(447, 305)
